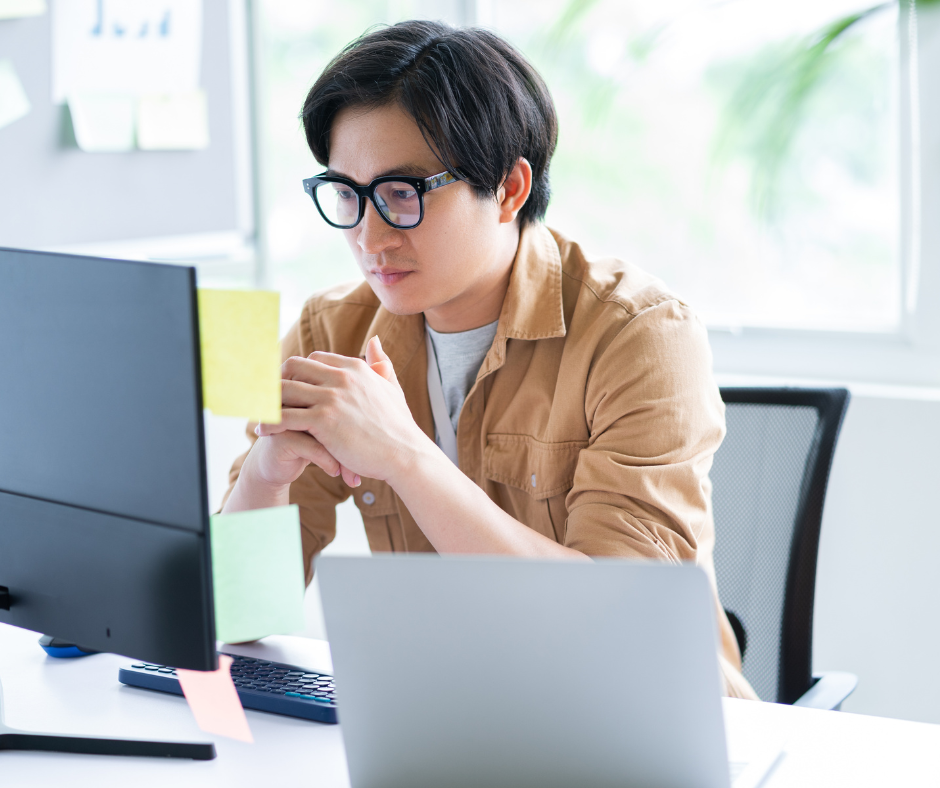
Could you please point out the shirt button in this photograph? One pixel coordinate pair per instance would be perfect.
(368, 498)
(533, 480)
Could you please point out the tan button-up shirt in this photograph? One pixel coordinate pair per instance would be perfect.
(593, 419)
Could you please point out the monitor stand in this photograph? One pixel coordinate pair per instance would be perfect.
(14, 739)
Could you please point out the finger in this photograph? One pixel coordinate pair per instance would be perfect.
(292, 419)
(310, 449)
(334, 360)
(309, 371)
(297, 394)
(379, 361)
(352, 479)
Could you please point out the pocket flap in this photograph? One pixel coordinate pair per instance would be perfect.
(540, 469)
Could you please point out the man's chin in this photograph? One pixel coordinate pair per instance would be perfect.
(399, 305)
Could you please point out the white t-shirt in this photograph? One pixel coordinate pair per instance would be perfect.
(459, 358)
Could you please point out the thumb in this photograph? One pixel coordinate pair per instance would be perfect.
(379, 361)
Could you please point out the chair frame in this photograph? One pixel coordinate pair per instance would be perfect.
(797, 684)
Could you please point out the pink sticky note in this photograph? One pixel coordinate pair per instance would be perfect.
(214, 702)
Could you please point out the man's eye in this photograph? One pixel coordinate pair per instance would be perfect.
(404, 194)
(345, 194)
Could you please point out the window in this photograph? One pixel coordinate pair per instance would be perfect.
(675, 151)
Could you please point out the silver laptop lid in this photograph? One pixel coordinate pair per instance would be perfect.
(493, 671)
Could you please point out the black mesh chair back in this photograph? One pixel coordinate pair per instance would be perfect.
(769, 483)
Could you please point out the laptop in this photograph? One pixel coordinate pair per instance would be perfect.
(473, 671)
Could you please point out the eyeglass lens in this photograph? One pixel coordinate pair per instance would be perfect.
(398, 202)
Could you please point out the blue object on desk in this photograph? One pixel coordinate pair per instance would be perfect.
(60, 649)
(261, 685)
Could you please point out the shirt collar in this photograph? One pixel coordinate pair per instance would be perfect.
(533, 307)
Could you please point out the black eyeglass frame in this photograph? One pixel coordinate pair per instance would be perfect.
(421, 186)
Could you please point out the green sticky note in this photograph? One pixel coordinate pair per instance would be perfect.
(241, 357)
(13, 101)
(257, 573)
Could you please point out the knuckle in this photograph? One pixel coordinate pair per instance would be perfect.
(289, 367)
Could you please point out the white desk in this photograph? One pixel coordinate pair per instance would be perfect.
(84, 696)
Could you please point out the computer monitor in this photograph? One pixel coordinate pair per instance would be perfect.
(104, 532)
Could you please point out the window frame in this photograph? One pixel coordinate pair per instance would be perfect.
(909, 355)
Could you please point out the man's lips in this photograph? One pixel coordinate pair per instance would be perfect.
(390, 276)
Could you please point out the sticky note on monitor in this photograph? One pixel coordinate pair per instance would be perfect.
(13, 101)
(257, 573)
(173, 122)
(103, 123)
(214, 702)
(241, 357)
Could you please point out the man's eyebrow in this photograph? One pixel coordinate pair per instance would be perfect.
(409, 170)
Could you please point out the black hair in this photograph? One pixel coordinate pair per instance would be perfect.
(478, 102)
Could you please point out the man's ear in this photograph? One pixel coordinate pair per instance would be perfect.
(515, 190)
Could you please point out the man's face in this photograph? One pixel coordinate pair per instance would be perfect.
(449, 261)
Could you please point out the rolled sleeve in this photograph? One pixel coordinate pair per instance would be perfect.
(641, 486)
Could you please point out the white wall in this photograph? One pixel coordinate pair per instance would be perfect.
(877, 590)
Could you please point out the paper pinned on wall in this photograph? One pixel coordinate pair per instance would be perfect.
(17, 9)
(103, 123)
(125, 47)
(241, 357)
(257, 573)
(14, 103)
(173, 122)
(214, 702)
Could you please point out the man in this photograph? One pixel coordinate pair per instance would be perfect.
(514, 397)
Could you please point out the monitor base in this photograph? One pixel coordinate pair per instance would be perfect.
(14, 739)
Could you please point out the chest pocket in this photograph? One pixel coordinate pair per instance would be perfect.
(541, 470)
(537, 477)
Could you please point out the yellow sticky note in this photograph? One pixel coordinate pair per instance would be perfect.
(214, 702)
(15, 9)
(173, 122)
(241, 357)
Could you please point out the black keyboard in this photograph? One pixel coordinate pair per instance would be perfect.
(261, 685)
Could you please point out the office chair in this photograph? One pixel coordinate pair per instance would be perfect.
(769, 483)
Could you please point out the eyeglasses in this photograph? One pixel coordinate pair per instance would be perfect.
(399, 199)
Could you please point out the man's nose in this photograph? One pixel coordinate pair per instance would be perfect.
(375, 235)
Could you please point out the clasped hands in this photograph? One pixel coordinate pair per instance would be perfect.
(345, 415)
